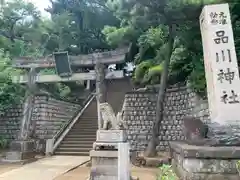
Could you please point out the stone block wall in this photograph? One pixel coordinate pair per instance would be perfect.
(10, 123)
(140, 113)
(49, 115)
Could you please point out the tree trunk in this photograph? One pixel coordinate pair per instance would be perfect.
(151, 149)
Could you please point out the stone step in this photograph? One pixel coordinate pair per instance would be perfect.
(87, 121)
(88, 117)
(77, 142)
(81, 136)
(73, 149)
(71, 153)
(80, 139)
(91, 129)
(84, 120)
(76, 145)
(84, 133)
(87, 126)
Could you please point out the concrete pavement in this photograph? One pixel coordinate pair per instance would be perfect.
(82, 173)
(45, 169)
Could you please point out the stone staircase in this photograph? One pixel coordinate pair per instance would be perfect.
(79, 140)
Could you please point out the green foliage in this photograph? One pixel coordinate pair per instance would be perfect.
(83, 26)
(77, 25)
(197, 79)
(118, 36)
(147, 73)
(63, 90)
(48, 71)
(151, 19)
(166, 173)
(150, 42)
(3, 143)
(141, 70)
(153, 75)
(153, 37)
(238, 166)
(10, 93)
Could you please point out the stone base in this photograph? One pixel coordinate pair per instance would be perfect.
(113, 136)
(110, 178)
(224, 135)
(104, 165)
(205, 163)
(20, 151)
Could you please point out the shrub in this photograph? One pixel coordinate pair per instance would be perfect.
(166, 173)
(3, 143)
(238, 166)
(147, 73)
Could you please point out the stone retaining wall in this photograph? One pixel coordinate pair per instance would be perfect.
(49, 115)
(140, 113)
(10, 123)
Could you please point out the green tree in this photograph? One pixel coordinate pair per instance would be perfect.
(22, 34)
(177, 17)
(78, 24)
(10, 93)
(22, 31)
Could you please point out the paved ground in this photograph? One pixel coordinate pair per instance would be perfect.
(44, 169)
(60, 168)
(82, 173)
(5, 168)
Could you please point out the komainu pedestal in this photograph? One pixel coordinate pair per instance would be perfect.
(104, 165)
(110, 156)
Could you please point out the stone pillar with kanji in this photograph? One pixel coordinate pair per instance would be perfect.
(222, 75)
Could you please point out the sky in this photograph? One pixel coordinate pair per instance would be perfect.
(41, 4)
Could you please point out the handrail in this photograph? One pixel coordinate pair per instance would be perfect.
(67, 124)
(63, 131)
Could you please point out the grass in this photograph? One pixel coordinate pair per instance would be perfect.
(166, 173)
(238, 166)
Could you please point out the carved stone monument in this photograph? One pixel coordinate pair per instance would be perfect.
(201, 159)
(222, 75)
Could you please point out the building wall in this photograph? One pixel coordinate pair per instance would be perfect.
(140, 113)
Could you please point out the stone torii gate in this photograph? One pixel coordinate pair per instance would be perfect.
(24, 146)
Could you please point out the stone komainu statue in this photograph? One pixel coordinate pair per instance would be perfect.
(110, 121)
